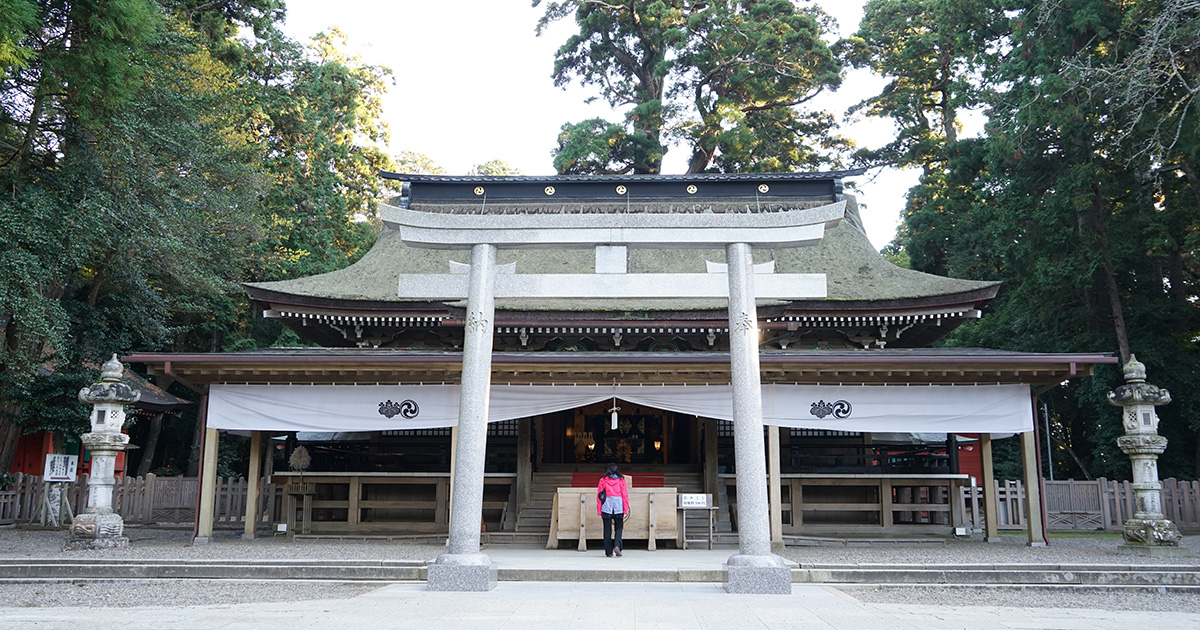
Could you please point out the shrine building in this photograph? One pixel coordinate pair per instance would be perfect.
(735, 336)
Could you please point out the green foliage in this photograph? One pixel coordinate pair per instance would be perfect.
(316, 115)
(495, 168)
(931, 52)
(49, 401)
(233, 455)
(597, 147)
(897, 255)
(727, 77)
(1076, 197)
(151, 159)
(413, 163)
(17, 17)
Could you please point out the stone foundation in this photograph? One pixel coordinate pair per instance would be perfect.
(96, 531)
(81, 544)
(1151, 533)
(461, 572)
(758, 575)
(1151, 550)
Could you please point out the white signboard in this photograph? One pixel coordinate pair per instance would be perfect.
(693, 501)
(60, 467)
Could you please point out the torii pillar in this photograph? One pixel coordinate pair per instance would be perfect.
(463, 567)
(754, 569)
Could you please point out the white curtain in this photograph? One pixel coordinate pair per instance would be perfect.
(933, 409)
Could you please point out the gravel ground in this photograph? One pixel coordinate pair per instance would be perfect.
(159, 544)
(172, 593)
(1015, 597)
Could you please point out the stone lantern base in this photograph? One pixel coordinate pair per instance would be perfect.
(97, 531)
(1152, 537)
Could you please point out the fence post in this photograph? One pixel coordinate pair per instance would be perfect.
(148, 506)
(976, 521)
(1102, 486)
(1194, 514)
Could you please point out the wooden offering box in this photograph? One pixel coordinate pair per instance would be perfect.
(652, 516)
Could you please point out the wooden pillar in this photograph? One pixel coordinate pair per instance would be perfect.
(253, 480)
(991, 506)
(453, 455)
(539, 432)
(524, 461)
(710, 458)
(776, 488)
(666, 441)
(1033, 489)
(208, 486)
(887, 514)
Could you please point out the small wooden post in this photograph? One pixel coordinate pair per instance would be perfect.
(886, 514)
(552, 539)
(650, 522)
(991, 506)
(583, 506)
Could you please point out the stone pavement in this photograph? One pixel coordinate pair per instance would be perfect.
(627, 605)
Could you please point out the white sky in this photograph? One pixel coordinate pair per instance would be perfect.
(473, 84)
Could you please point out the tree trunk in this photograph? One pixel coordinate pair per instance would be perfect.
(1193, 177)
(1095, 224)
(1196, 459)
(1078, 462)
(193, 467)
(10, 436)
(151, 448)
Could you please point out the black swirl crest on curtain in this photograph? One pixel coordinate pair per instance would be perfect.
(407, 409)
(838, 409)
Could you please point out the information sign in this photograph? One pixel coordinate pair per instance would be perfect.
(60, 467)
(694, 501)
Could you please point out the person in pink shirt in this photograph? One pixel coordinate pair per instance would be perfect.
(612, 504)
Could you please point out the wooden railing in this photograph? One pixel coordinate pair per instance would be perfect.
(140, 500)
(1099, 504)
(1071, 505)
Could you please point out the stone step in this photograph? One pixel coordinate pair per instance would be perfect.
(1157, 578)
(212, 570)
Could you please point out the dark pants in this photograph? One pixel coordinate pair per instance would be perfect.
(613, 521)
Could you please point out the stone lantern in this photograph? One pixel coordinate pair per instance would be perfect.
(99, 527)
(1148, 532)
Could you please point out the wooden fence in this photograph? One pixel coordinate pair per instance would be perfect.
(142, 500)
(1084, 505)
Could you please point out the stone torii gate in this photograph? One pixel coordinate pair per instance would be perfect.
(754, 569)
